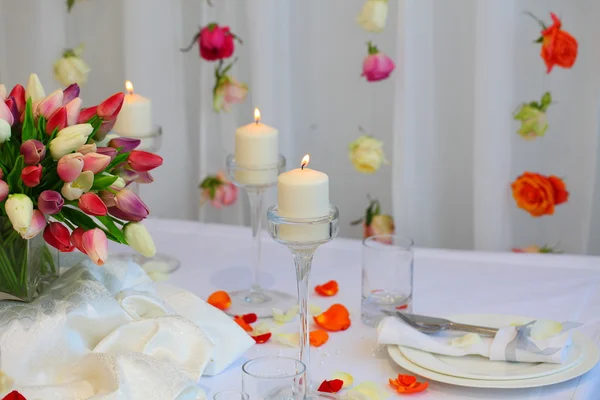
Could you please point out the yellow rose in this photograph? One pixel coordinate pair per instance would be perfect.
(366, 154)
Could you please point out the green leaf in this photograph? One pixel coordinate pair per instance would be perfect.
(113, 229)
(79, 219)
(14, 178)
(41, 129)
(119, 159)
(539, 40)
(29, 129)
(101, 182)
(546, 100)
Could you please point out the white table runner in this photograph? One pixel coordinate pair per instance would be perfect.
(558, 287)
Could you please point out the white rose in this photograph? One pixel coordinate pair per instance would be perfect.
(366, 154)
(71, 68)
(373, 15)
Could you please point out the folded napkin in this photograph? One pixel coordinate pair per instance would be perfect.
(548, 343)
(111, 333)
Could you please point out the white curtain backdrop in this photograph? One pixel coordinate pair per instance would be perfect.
(463, 66)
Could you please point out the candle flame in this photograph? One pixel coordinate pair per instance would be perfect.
(305, 161)
(256, 115)
(129, 87)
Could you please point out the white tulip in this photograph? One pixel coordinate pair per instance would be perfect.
(19, 209)
(34, 89)
(139, 239)
(74, 190)
(69, 139)
(71, 68)
(80, 129)
(3, 92)
(4, 131)
(373, 15)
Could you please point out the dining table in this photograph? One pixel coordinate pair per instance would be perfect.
(559, 287)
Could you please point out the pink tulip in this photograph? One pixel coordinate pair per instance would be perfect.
(108, 198)
(109, 108)
(70, 93)
(38, 223)
(6, 114)
(108, 151)
(50, 202)
(33, 151)
(144, 177)
(86, 114)
(12, 106)
(106, 127)
(18, 93)
(50, 104)
(95, 162)
(377, 66)
(142, 161)
(95, 244)
(91, 204)
(70, 167)
(77, 239)
(4, 189)
(57, 235)
(73, 110)
(31, 175)
(87, 149)
(123, 144)
(128, 175)
(130, 207)
(58, 120)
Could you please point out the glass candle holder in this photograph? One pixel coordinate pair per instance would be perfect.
(274, 378)
(303, 237)
(255, 181)
(231, 395)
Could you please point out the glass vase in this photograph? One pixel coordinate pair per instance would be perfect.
(27, 266)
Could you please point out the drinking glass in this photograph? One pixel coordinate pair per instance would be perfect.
(274, 378)
(387, 276)
(231, 395)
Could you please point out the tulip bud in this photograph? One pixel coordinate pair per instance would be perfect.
(70, 166)
(74, 190)
(108, 198)
(108, 151)
(31, 175)
(6, 114)
(123, 144)
(4, 189)
(57, 235)
(86, 114)
(144, 177)
(128, 175)
(19, 209)
(50, 202)
(70, 93)
(73, 110)
(5, 131)
(12, 106)
(50, 104)
(35, 90)
(87, 149)
(38, 222)
(131, 206)
(109, 108)
(33, 151)
(118, 184)
(77, 239)
(105, 127)
(91, 204)
(142, 161)
(69, 139)
(95, 162)
(58, 120)
(18, 93)
(3, 92)
(139, 239)
(95, 245)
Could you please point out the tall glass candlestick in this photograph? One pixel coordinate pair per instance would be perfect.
(303, 236)
(255, 181)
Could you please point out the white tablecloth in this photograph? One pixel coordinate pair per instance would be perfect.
(558, 287)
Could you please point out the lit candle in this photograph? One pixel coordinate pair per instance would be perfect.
(135, 118)
(256, 147)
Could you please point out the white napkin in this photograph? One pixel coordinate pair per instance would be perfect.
(109, 333)
(505, 346)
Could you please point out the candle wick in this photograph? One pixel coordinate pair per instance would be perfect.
(302, 167)
(257, 121)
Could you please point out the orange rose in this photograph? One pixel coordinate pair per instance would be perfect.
(558, 46)
(538, 194)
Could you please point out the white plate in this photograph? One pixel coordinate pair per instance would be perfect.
(476, 367)
(590, 357)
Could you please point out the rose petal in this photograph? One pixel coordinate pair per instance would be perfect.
(240, 321)
(260, 339)
(219, 299)
(544, 329)
(283, 317)
(336, 318)
(318, 338)
(288, 339)
(328, 289)
(332, 386)
(262, 327)
(369, 390)
(250, 318)
(345, 377)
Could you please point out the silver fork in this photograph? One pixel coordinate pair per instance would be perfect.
(433, 324)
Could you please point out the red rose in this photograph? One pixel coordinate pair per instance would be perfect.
(215, 42)
(559, 47)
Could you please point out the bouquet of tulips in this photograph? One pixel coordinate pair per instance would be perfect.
(55, 179)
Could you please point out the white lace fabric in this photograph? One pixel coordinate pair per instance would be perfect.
(111, 333)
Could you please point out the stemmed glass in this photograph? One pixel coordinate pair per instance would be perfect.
(303, 237)
(255, 181)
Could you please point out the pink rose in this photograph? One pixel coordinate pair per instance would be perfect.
(377, 66)
(218, 190)
(228, 91)
(215, 42)
(381, 224)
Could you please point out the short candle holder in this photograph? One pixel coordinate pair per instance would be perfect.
(255, 181)
(303, 237)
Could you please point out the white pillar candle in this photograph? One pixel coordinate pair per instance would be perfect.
(135, 118)
(303, 193)
(256, 147)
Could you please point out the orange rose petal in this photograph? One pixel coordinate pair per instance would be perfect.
(243, 324)
(336, 318)
(219, 299)
(328, 289)
(318, 338)
(402, 307)
(260, 339)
